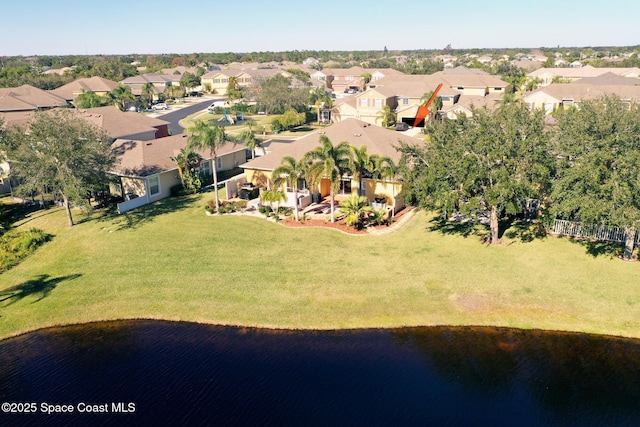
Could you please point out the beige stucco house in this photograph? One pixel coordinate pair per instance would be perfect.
(461, 88)
(147, 172)
(358, 133)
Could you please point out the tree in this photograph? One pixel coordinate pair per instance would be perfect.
(274, 195)
(491, 161)
(355, 209)
(387, 116)
(329, 162)
(203, 136)
(289, 172)
(361, 164)
(436, 104)
(90, 100)
(319, 97)
(147, 94)
(248, 138)
(386, 169)
(276, 96)
(186, 161)
(233, 89)
(189, 81)
(63, 152)
(598, 179)
(121, 96)
(366, 78)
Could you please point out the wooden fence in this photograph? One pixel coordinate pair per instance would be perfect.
(588, 231)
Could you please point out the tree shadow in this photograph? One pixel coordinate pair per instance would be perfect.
(146, 214)
(460, 228)
(41, 286)
(524, 231)
(606, 249)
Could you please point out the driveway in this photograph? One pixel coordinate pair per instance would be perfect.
(181, 110)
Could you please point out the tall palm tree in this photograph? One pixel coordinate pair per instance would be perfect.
(289, 172)
(147, 94)
(203, 136)
(361, 163)
(386, 116)
(330, 162)
(121, 95)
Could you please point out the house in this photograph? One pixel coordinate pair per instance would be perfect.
(160, 82)
(548, 75)
(377, 140)
(147, 172)
(98, 85)
(120, 124)
(340, 80)
(19, 104)
(404, 94)
(561, 95)
(217, 81)
(28, 98)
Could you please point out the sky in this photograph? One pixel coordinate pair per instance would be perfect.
(113, 27)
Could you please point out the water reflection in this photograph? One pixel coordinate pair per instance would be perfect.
(192, 374)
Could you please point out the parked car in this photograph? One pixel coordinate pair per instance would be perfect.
(402, 126)
(160, 106)
(215, 104)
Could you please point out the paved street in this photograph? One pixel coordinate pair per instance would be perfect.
(181, 110)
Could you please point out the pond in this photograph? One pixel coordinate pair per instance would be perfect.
(165, 373)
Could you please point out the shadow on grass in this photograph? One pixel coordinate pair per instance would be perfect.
(138, 217)
(464, 229)
(41, 287)
(510, 228)
(598, 249)
(523, 231)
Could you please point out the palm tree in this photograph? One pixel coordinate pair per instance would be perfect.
(89, 100)
(275, 195)
(204, 136)
(320, 97)
(361, 163)
(121, 95)
(365, 79)
(248, 138)
(355, 208)
(186, 161)
(386, 169)
(289, 172)
(148, 91)
(387, 116)
(329, 162)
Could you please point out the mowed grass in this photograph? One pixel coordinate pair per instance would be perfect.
(171, 261)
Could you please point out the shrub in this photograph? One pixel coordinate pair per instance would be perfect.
(15, 246)
(265, 210)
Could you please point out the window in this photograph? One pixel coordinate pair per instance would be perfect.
(364, 102)
(205, 167)
(405, 101)
(225, 80)
(498, 89)
(219, 163)
(154, 185)
(377, 102)
(345, 186)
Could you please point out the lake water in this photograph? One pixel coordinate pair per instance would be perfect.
(163, 373)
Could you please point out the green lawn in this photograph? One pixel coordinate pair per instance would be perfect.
(171, 261)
